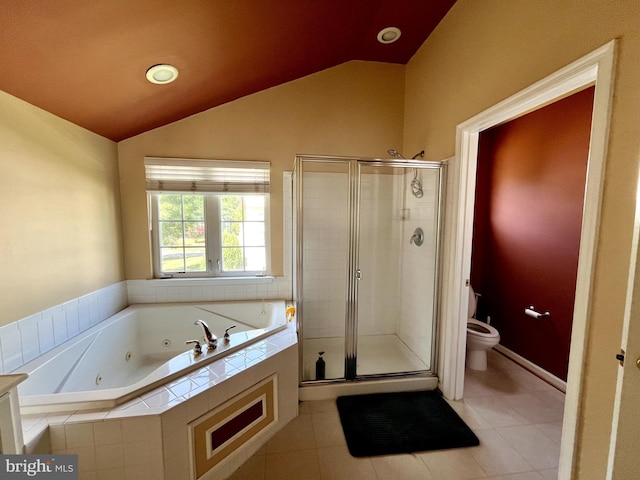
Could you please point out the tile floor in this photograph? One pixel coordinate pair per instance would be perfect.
(516, 416)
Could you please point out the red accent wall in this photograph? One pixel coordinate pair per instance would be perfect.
(528, 216)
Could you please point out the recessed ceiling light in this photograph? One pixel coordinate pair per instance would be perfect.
(162, 74)
(389, 35)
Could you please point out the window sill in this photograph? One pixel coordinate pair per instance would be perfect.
(205, 281)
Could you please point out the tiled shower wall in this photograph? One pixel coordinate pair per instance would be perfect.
(325, 243)
(325, 250)
(380, 248)
(417, 282)
(397, 286)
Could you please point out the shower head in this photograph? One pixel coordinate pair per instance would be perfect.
(394, 153)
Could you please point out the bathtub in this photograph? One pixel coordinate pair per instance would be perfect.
(138, 349)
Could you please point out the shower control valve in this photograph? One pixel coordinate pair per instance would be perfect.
(418, 237)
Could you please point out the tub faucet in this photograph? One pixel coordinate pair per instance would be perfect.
(212, 340)
(197, 349)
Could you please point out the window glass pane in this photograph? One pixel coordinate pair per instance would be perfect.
(255, 258)
(254, 234)
(194, 207)
(194, 234)
(172, 259)
(231, 234)
(170, 207)
(254, 208)
(231, 208)
(232, 259)
(183, 228)
(171, 234)
(196, 259)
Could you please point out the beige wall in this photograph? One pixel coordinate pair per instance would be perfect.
(59, 202)
(60, 210)
(354, 109)
(487, 50)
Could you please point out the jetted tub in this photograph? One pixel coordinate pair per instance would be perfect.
(138, 349)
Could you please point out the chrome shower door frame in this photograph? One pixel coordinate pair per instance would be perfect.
(353, 263)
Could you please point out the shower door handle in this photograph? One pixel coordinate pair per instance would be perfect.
(358, 274)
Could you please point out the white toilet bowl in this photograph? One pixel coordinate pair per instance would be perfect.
(480, 338)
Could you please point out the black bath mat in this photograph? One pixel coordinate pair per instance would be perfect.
(405, 422)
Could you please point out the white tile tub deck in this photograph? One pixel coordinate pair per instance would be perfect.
(149, 433)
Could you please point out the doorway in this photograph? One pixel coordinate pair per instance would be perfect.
(596, 69)
(526, 235)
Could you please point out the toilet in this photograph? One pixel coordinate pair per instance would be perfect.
(480, 337)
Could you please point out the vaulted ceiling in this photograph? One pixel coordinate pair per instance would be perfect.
(85, 60)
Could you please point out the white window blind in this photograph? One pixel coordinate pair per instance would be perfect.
(195, 175)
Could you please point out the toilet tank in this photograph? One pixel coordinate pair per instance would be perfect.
(472, 302)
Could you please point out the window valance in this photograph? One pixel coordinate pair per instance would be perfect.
(199, 175)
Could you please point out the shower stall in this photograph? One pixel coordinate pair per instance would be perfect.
(366, 266)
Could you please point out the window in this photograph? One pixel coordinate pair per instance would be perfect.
(242, 233)
(208, 218)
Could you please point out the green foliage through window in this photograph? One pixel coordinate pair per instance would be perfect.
(239, 217)
(190, 242)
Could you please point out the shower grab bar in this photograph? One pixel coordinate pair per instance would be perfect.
(531, 311)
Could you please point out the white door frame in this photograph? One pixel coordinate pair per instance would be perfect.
(596, 69)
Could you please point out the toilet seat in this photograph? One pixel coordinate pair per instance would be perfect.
(481, 329)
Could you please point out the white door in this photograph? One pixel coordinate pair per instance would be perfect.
(624, 461)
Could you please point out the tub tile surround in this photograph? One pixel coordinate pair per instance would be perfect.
(32, 336)
(149, 433)
(209, 290)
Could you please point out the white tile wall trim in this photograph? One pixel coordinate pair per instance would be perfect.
(32, 336)
(208, 290)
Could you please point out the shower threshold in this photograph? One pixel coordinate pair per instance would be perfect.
(378, 355)
(313, 391)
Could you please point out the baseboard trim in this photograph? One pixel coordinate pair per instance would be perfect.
(550, 378)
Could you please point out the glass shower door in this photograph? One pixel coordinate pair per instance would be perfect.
(367, 240)
(323, 224)
(397, 230)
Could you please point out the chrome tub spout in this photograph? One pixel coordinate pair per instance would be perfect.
(211, 339)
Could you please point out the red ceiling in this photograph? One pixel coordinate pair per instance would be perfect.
(85, 60)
